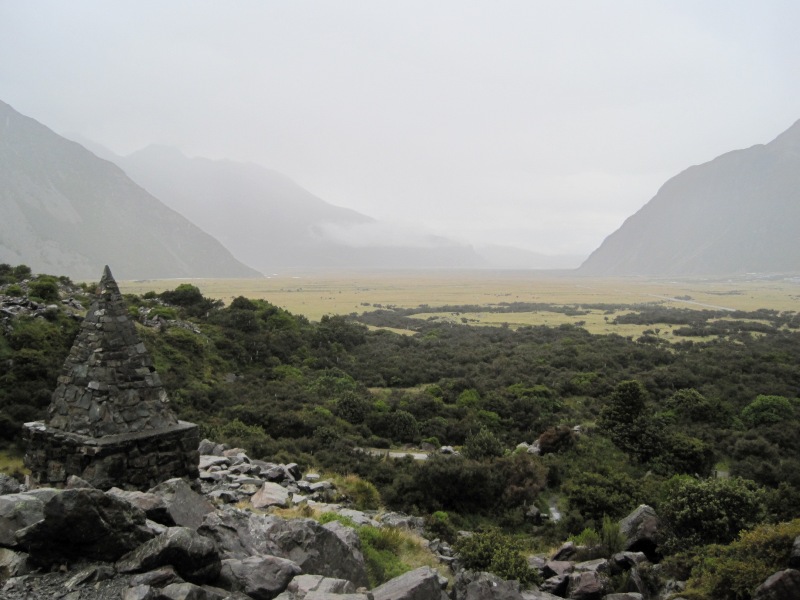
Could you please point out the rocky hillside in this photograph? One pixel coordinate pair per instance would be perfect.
(223, 540)
(739, 213)
(67, 211)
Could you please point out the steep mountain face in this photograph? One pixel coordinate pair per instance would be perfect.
(270, 222)
(739, 213)
(66, 211)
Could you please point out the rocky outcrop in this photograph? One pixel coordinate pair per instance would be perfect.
(420, 584)
(470, 585)
(84, 523)
(640, 529)
(259, 577)
(783, 585)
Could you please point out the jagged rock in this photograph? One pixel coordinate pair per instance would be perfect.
(21, 510)
(358, 517)
(90, 574)
(588, 585)
(640, 529)
(84, 523)
(566, 551)
(211, 460)
(625, 561)
(13, 564)
(470, 585)
(317, 549)
(624, 596)
(598, 565)
(303, 584)
(538, 595)
(194, 557)
(206, 446)
(157, 577)
(316, 595)
(783, 585)
(186, 507)
(420, 584)
(558, 568)
(9, 485)
(293, 470)
(140, 592)
(75, 482)
(153, 505)
(794, 557)
(393, 519)
(189, 591)
(270, 494)
(260, 577)
(556, 585)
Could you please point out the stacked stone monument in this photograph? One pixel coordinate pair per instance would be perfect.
(109, 420)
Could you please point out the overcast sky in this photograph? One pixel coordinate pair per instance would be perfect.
(542, 124)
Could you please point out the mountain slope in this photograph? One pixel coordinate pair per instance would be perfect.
(67, 211)
(739, 213)
(269, 221)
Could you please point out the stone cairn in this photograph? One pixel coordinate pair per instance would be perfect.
(109, 420)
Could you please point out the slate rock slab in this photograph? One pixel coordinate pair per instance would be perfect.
(193, 556)
(260, 577)
(420, 584)
(84, 524)
(186, 507)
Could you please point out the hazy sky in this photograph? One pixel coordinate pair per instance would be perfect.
(542, 124)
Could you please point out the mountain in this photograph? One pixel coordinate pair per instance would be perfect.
(739, 213)
(269, 221)
(67, 211)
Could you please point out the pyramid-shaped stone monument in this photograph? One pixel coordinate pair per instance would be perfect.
(109, 420)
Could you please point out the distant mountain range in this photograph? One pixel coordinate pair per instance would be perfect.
(270, 222)
(739, 213)
(66, 211)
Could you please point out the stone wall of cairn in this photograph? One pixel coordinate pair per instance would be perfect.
(128, 461)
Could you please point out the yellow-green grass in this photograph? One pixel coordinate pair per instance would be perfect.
(11, 462)
(317, 293)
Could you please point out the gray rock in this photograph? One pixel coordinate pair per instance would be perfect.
(189, 591)
(318, 595)
(211, 448)
(153, 505)
(75, 482)
(783, 585)
(470, 585)
(558, 568)
(260, 577)
(588, 585)
(140, 592)
(627, 560)
(556, 585)
(293, 470)
(13, 564)
(90, 574)
(400, 520)
(21, 510)
(9, 485)
(270, 494)
(420, 584)
(598, 565)
(157, 577)
(624, 596)
(640, 529)
(538, 595)
(194, 557)
(186, 507)
(303, 584)
(84, 523)
(358, 517)
(565, 552)
(317, 549)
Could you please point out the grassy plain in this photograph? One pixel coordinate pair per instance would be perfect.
(317, 293)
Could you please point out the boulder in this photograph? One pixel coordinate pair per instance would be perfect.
(21, 510)
(470, 585)
(420, 584)
(270, 494)
(318, 595)
(13, 564)
(74, 482)
(157, 577)
(153, 505)
(259, 577)
(588, 585)
(556, 585)
(84, 523)
(598, 565)
(186, 507)
(90, 574)
(783, 585)
(538, 595)
(566, 551)
(625, 561)
(624, 596)
(559, 568)
(238, 533)
(640, 530)
(9, 485)
(194, 557)
(303, 584)
(189, 591)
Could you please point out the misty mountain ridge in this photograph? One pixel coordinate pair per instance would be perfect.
(739, 213)
(67, 211)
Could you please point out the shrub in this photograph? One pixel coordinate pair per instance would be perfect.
(439, 525)
(363, 494)
(733, 572)
(483, 445)
(45, 288)
(497, 553)
(382, 549)
(766, 410)
(697, 512)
